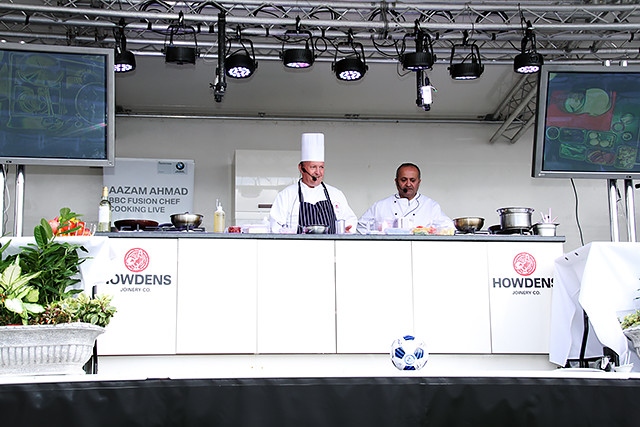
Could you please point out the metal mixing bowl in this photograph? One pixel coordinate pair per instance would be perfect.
(468, 224)
(186, 220)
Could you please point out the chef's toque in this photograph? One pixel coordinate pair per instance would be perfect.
(312, 149)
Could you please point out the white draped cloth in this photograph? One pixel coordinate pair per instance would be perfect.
(603, 279)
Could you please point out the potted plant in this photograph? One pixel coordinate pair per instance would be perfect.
(630, 324)
(47, 324)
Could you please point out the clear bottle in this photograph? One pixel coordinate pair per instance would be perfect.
(218, 218)
(104, 211)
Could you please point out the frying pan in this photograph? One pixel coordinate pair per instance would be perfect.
(135, 224)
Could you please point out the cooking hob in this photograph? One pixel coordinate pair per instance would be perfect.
(162, 228)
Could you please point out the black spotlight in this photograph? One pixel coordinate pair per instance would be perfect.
(240, 65)
(470, 67)
(297, 58)
(297, 48)
(415, 61)
(350, 69)
(528, 61)
(180, 54)
(353, 66)
(124, 60)
(423, 58)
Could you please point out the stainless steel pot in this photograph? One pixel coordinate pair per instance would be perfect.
(545, 228)
(515, 218)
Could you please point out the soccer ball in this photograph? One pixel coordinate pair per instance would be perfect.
(409, 353)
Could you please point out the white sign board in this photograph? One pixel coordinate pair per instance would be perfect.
(152, 189)
(520, 289)
(144, 290)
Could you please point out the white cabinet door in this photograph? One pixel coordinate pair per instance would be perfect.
(451, 299)
(143, 286)
(373, 294)
(521, 286)
(296, 296)
(217, 296)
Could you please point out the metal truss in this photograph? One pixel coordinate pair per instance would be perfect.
(566, 31)
(588, 31)
(518, 110)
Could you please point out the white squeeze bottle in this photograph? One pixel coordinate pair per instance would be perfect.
(218, 218)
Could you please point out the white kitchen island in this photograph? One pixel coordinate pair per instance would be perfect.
(286, 305)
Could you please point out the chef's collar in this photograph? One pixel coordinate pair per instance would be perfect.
(416, 197)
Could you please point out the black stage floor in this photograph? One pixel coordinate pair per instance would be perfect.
(309, 402)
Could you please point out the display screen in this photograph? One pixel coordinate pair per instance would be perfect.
(56, 105)
(588, 122)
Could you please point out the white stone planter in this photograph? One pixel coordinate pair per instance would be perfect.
(633, 334)
(46, 349)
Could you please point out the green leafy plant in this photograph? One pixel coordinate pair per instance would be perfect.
(631, 320)
(38, 285)
(81, 308)
(18, 300)
(57, 262)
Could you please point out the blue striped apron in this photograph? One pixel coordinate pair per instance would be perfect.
(320, 213)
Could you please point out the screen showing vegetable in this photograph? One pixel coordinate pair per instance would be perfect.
(56, 105)
(588, 122)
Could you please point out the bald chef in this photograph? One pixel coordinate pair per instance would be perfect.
(310, 201)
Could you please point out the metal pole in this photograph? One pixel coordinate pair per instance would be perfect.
(19, 207)
(3, 180)
(629, 202)
(613, 210)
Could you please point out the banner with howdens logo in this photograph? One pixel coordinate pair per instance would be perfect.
(520, 288)
(144, 289)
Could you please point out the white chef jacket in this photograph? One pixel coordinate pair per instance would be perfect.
(286, 207)
(421, 210)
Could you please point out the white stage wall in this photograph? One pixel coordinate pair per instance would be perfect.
(461, 169)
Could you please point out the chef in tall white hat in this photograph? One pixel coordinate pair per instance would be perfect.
(310, 201)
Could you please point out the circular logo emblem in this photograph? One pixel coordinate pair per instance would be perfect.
(524, 264)
(136, 260)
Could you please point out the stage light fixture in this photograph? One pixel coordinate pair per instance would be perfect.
(423, 58)
(297, 48)
(124, 60)
(352, 66)
(180, 54)
(242, 63)
(470, 67)
(529, 60)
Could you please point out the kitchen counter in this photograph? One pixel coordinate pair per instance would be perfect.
(249, 303)
(347, 237)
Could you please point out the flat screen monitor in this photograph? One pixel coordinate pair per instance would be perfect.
(587, 122)
(57, 105)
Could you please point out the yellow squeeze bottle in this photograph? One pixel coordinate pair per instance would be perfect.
(218, 219)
